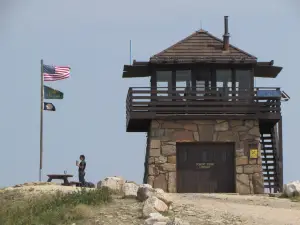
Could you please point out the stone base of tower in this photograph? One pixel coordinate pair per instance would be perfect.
(163, 135)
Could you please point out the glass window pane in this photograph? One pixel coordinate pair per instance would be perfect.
(224, 82)
(164, 82)
(183, 81)
(243, 79)
(203, 81)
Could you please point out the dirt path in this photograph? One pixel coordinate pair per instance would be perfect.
(119, 212)
(213, 209)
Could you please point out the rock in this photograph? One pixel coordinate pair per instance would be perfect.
(130, 190)
(146, 185)
(242, 184)
(161, 195)
(254, 131)
(169, 167)
(249, 123)
(153, 205)
(144, 192)
(150, 180)
(191, 127)
(156, 219)
(258, 183)
(171, 125)
(177, 221)
(227, 136)
(160, 159)
(172, 159)
(183, 136)
(114, 183)
(159, 190)
(223, 126)
(154, 124)
(242, 160)
(196, 136)
(160, 181)
(154, 152)
(153, 170)
(234, 123)
(292, 189)
(206, 132)
(168, 150)
(155, 144)
(276, 195)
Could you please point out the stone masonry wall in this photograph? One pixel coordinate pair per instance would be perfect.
(163, 136)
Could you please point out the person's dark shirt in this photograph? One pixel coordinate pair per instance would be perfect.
(82, 165)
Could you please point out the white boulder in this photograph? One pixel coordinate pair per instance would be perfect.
(130, 190)
(160, 194)
(156, 219)
(144, 192)
(292, 189)
(146, 185)
(114, 183)
(154, 205)
(177, 221)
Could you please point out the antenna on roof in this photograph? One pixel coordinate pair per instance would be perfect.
(201, 24)
(130, 52)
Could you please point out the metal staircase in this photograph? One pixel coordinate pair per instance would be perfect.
(269, 152)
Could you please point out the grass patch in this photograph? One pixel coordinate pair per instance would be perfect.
(50, 209)
(295, 199)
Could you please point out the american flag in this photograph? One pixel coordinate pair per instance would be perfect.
(54, 73)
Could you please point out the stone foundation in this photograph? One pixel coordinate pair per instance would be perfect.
(163, 135)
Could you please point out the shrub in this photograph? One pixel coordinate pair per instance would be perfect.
(48, 209)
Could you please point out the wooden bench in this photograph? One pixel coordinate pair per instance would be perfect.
(63, 177)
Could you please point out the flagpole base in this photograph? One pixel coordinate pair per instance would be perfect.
(40, 175)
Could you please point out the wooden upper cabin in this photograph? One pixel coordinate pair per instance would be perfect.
(202, 77)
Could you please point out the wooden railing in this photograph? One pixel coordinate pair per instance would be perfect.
(218, 101)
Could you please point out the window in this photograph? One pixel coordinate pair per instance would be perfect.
(203, 81)
(164, 82)
(224, 82)
(243, 80)
(183, 81)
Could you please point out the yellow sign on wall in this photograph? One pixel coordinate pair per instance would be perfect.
(254, 153)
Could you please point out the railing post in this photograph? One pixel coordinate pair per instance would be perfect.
(153, 98)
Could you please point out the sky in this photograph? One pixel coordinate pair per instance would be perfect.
(93, 38)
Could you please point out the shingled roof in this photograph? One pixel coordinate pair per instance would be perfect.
(201, 45)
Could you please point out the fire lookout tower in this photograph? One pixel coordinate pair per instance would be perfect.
(208, 128)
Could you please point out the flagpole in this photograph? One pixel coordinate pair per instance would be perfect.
(130, 52)
(41, 121)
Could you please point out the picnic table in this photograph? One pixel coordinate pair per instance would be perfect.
(63, 177)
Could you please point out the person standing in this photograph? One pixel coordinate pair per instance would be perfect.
(81, 169)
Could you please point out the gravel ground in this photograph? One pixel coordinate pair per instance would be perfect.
(198, 209)
(212, 209)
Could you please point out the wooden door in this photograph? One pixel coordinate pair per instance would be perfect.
(205, 167)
